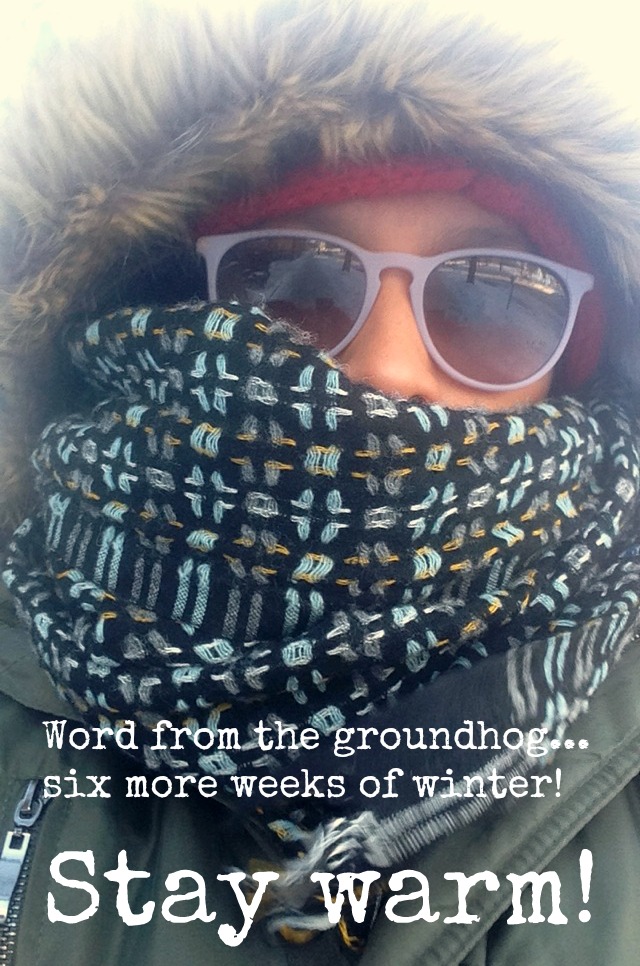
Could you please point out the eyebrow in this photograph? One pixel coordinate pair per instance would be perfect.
(476, 237)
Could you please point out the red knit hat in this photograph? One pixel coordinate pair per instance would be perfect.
(519, 203)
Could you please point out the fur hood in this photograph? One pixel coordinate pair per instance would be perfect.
(118, 143)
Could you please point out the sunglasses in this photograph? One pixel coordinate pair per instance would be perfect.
(490, 318)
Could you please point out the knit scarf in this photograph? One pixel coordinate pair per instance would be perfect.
(237, 534)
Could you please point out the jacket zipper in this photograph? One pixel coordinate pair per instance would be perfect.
(15, 861)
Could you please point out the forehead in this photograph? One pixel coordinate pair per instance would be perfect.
(421, 222)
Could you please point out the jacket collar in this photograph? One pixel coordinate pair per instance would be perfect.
(22, 678)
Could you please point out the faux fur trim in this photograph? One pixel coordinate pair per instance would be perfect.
(119, 142)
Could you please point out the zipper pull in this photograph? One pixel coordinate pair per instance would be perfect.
(16, 843)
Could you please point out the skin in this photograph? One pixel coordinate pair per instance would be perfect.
(388, 354)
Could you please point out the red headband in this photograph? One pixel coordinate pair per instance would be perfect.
(520, 204)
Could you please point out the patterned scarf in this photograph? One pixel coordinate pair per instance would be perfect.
(237, 533)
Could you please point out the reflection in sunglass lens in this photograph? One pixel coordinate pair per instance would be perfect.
(312, 282)
(495, 319)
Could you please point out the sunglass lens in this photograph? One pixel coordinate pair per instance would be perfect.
(495, 319)
(312, 282)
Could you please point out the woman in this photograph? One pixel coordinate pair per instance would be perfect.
(377, 470)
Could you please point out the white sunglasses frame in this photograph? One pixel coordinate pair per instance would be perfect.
(213, 248)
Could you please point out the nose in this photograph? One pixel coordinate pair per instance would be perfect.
(388, 352)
